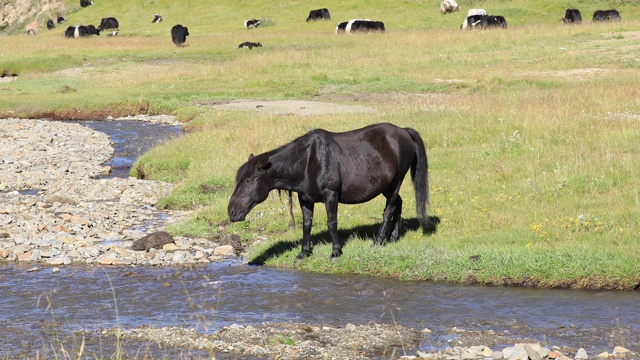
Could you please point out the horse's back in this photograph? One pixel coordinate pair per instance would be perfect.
(382, 141)
(370, 159)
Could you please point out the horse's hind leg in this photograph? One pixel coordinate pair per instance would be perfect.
(396, 220)
(392, 211)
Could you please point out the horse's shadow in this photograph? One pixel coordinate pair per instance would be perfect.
(323, 237)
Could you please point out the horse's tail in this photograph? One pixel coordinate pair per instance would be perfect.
(420, 178)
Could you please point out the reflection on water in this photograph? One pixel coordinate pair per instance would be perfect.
(222, 294)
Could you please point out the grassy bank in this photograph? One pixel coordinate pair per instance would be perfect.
(533, 133)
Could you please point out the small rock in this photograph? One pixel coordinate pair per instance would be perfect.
(487, 352)
(554, 354)
(508, 351)
(153, 241)
(581, 354)
(619, 350)
(532, 353)
(223, 250)
(170, 247)
(35, 268)
(25, 256)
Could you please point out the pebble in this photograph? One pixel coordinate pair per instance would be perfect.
(55, 210)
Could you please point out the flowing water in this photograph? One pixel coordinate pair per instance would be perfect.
(40, 305)
(131, 139)
(222, 294)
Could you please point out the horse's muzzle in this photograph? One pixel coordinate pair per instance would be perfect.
(236, 216)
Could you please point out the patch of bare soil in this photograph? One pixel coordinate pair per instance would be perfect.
(431, 101)
(291, 107)
(329, 103)
(576, 74)
(629, 35)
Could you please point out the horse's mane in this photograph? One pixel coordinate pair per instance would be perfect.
(249, 167)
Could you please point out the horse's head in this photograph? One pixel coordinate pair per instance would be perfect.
(252, 187)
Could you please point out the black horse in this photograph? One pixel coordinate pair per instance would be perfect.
(352, 167)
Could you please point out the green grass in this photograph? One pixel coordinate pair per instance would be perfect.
(532, 132)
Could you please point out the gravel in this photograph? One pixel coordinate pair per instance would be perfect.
(55, 210)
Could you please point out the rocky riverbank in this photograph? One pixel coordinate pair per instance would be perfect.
(54, 209)
(372, 341)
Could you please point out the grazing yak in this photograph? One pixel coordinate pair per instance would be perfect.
(61, 19)
(179, 34)
(342, 27)
(88, 30)
(572, 16)
(70, 32)
(50, 24)
(364, 26)
(606, 15)
(74, 32)
(320, 14)
(85, 3)
(31, 32)
(251, 23)
(249, 45)
(156, 19)
(109, 23)
(472, 12)
(447, 6)
(473, 20)
(491, 21)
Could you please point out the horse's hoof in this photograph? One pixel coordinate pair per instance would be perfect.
(333, 259)
(297, 261)
(301, 257)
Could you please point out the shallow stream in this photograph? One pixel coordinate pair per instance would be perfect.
(222, 294)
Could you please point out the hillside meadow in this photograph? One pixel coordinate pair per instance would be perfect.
(532, 133)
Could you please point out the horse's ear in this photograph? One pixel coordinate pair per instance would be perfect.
(263, 162)
(250, 157)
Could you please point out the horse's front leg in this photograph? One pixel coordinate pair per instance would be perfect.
(307, 221)
(331, 204)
